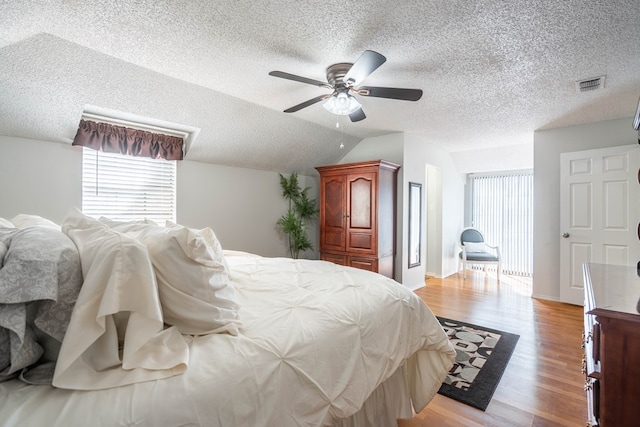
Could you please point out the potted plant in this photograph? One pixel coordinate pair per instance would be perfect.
(301, 211)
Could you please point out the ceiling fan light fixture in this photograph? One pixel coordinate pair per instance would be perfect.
(342, 104)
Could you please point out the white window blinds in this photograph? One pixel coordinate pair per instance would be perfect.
(127, 188)
(502, 208)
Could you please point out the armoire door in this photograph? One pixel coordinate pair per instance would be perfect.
(333, 213)
(361, 214)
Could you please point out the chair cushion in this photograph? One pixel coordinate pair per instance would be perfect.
(480, 256)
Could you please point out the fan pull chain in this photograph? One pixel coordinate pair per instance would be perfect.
(337, 127)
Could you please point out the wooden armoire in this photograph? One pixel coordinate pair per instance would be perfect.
(358, 215)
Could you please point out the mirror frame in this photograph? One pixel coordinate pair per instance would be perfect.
(415, 224)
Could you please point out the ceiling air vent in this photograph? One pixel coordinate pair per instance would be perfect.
(591, 84)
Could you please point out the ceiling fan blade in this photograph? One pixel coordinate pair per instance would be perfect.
(391, 93)
(300, 79)
(368, 62)
(306, 103)
(356, 116)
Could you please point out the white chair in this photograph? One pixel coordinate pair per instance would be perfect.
(476, 251)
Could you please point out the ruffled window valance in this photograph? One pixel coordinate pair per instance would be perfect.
(133, 142)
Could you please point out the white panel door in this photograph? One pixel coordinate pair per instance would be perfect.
(600, 210)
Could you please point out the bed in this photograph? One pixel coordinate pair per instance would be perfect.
(213, 337)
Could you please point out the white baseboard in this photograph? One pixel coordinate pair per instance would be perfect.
(546, 297)
(416, 286)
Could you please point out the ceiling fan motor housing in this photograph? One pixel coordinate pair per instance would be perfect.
(336, 73)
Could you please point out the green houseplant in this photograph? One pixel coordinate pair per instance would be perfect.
(301, 211)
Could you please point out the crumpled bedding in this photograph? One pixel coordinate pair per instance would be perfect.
(318, 339)
(40, 278)
(116, 335)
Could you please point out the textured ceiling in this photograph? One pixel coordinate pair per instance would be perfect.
(492, 72)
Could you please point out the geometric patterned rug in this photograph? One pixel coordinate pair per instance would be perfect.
(482, 354)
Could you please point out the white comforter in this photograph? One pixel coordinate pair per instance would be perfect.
(317, 340)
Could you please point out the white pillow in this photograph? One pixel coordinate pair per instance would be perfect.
(25, 220)
(210, 238)
(475, 247)
(5, 223)
(192, 275)
(124, 224)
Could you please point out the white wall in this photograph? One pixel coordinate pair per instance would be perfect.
(548, 145)
(515, 157)
(414, 170)
(433, 209)
(240, 205)
(418, 154)
(387, 147)
(39, 178)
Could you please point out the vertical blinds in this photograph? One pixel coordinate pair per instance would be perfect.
(127, 188)
(502, 208)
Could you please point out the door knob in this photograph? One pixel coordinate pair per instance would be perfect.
(565, 235)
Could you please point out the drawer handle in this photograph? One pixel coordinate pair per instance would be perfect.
(585, 339)
(588, 384)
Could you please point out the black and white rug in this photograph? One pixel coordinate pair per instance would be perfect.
(482, 354)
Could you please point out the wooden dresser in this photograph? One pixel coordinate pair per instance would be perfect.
(358, 215)
(612, 345)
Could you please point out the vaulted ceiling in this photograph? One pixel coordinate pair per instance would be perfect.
(492, 72)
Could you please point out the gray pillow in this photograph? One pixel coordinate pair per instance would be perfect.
(40, 278)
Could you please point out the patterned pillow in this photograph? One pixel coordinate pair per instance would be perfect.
(40, 279)
(25, 220)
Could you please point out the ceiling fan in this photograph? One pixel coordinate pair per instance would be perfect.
(343, 79)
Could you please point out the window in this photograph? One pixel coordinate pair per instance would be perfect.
(502, 208)
(127, 188)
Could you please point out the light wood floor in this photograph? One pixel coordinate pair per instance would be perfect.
(543, 383)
